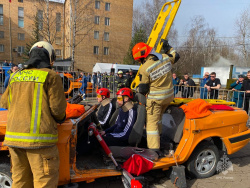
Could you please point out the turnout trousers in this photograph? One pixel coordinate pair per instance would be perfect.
(155, 110)
(37, 168)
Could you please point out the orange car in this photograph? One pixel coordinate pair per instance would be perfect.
(72, 86)
(196, 142)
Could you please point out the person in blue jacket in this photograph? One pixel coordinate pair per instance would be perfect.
(203, 90)
(84, 85)
(12, 70)
(118, 134)
(238, 96)
(176, 82)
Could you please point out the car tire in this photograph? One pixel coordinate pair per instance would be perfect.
(203, 161)
(5, 176)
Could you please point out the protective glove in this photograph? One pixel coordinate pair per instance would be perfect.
(166, 46)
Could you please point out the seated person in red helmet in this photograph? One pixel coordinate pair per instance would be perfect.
(106, 109)
(118, 134)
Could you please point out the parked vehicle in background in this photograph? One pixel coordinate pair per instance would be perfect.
(109, 67)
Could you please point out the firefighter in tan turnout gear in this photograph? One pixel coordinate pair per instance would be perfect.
(35, 101)
(156, 83)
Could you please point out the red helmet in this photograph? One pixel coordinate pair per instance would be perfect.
(104, 92)
(141, 50)
(125, 92)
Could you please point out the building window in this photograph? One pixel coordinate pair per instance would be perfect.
(58, 21)
(40, 19)
(106, 36)
(1, 34)
(1, 14)
(107, 21)
(20, 17)
(97, 20)
(97, 4)
(106, 51)
(20, 1)
(58, 40)
(96, 50)
(20, 49)
(107, 6)
(58, 52)
(1, 48)
(21, 36)
(96, 34)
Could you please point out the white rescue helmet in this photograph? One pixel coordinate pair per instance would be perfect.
(47, 47)
(120, 72)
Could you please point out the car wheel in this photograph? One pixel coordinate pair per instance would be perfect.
(5, 176)
(203, 161)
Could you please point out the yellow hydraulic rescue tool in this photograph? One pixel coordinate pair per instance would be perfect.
(168, 12)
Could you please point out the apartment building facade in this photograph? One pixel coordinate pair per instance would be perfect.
(17, 22)
(90, 32)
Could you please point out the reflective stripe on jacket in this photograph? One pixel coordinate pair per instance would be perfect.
(35, 100)
(157, 73)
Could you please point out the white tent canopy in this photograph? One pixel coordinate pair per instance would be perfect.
(102, 67)
(106, 67)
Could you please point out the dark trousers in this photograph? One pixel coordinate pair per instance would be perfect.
(246, 104)
(112, 141)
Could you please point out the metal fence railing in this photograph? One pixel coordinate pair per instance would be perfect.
(73, 84)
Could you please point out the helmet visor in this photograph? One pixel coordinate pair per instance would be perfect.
(120, 98)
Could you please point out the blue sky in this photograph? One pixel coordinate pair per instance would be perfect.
(219, 14)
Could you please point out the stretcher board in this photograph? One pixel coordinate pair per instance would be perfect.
(168, 11)
(178, 101)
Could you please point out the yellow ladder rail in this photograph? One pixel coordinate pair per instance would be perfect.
(169, 11)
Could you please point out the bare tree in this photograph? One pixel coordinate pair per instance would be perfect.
(144, 16)
(243, 35)
(47, 20)
(80, 23)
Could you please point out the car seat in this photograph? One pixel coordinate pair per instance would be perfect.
(115, 114)
(172, 124)
(137, 131)
(136, 134)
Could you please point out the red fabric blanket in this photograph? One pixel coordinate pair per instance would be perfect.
(221, 107)
(137, 165)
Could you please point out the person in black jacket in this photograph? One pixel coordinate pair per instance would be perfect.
(213, 85)
(185, 86)
(118, 134)
(246, 87)
(106, 109)
(131, 77)
(121, 81)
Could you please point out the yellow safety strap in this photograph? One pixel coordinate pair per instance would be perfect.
(36, 108)
(152, 132)
(10, 98)
(159, 92)
(158, 63)
(28, 137)
(160, 97)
